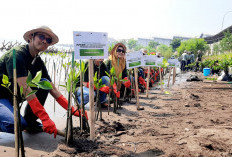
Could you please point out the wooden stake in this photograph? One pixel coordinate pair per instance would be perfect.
(60, 72)
(91, 100)
(16, 124)
(69, 127)
(169, 77)
(136, 88)
(174, 75)
(148, 80)
(161, 84)
(82, 100)
(54, 65)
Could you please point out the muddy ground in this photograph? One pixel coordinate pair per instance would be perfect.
(191, 119)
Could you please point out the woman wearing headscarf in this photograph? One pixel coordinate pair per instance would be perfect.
(117, 60)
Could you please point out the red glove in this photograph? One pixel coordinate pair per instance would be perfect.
(105, 89)
(88, 86)
(48, 125)
(152, 81)
(117, 93)
(127, 84)
(133, 91)
(142, 81)
(156, 75)
(64, 103)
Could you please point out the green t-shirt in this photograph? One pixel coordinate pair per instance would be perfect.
(23, 65)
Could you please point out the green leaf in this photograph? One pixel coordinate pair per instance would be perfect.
(8, 85)
(100, 82)
(32, 92)
(32, 84)
(37, 78)
(123, 80)
(62, 86)
(96, 85)
(3, 85)
(112, 71)
(82, 66)
(5, 79)
(45, 85)
(29, 78)
(21, 91)
(107, 74)
(95, 77)
(112, 81)
(120, 76)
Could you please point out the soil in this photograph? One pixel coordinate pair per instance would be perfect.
(187, 119)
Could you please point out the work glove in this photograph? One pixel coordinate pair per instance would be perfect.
(117, 93)
(48, 125)
(88, 86)
(105, 89)
(156, 75)
(127, 83)
(142, 81)
(64, 103)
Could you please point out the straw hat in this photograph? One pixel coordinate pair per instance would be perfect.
(42, 29)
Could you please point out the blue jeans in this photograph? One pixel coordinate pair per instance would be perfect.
(102, 95)
(7, 117)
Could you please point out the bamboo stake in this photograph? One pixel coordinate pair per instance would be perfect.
(82, 100)
(161, 85)
(98, 103)
(52, 68)
(108, 107)
(136, 88)
(132, 80)
(60, 133)
(54, 65)
(16, 124)
(169, 77)
(91, 100)
(124, 94)
(148, 80)
(60, 72)
(174, 76)
(69, 128)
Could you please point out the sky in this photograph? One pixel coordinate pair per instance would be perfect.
(121, 19)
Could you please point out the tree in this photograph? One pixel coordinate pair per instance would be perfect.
(132, 43)
(193, 45)
(216, 48)
(175, 44)
(226, 42)
(153, 44)
(165, 51)
(138, 47)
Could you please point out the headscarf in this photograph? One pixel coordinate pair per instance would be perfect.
(118, 63)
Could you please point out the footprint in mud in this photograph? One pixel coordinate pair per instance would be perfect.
(162, 115)
(116, 126)
(194, 97)
(151, 153)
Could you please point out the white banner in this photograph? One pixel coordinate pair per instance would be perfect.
(134, 59)
(173, 62)
(90, 45)
(150, 60)
(159, 62)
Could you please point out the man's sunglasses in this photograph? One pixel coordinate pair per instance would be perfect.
(120, 50)
(42, 37)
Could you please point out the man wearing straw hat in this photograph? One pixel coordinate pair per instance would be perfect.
(28, 60)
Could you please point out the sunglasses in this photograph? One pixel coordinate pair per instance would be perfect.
(120, 50)
(42, 37)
